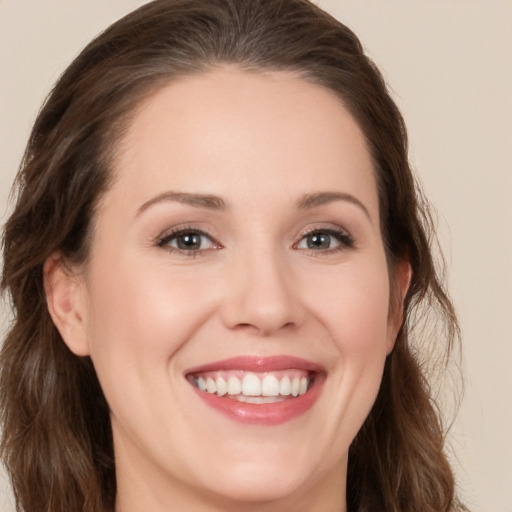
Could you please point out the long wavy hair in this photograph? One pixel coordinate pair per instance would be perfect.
(57, 440)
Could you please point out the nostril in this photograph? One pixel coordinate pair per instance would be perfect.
(250, 328)
(262, 329)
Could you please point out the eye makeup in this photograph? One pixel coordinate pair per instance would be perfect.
(318, 240)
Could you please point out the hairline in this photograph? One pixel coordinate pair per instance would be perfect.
(115, 132)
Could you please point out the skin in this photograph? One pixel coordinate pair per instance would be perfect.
(146, 313)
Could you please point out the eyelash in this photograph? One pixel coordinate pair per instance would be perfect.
(164, 241)
(346, 241)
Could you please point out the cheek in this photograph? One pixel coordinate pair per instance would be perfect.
(139, 317)
(146, 299)
(360, 335)
(355, 314)
(354, 305)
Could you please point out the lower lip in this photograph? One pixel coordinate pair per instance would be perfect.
(263, 414)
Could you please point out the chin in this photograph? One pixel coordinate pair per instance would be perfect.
(267, 476)
(256, 484)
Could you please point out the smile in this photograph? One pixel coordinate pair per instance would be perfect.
(264, 391)
(253, 387)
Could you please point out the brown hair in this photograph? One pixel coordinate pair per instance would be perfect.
(57, 440)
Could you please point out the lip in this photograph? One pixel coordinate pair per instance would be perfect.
(262, 414)
(259, 364)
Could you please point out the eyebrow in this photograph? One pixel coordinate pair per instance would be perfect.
(309, 201)
(212, 202)
(207, 201)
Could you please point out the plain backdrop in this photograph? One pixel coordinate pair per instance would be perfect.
(448, 63)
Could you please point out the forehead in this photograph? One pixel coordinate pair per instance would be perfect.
(265, 130)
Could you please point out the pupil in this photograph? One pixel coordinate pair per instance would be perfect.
(189, 241)
(319, 241)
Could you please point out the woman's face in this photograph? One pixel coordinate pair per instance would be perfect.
(239, 249)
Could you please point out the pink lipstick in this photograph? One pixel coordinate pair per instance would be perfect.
(259, 390)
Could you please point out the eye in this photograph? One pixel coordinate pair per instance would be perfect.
(325, 240)
(188, 240)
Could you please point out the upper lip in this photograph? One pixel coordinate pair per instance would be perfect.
(258, 364)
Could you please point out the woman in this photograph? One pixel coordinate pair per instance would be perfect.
(216, 259)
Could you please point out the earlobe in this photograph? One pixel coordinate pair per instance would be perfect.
(66, 305)
(402, 276)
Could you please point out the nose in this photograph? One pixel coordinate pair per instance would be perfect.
(261, 295)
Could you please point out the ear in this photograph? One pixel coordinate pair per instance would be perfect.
(400, 282)
(66, 302)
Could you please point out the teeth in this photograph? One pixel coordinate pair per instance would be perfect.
(211, 387)
(201, 384)
(285, 387)
(303, 385)
(295, 386)
(253, 388)
(270, 386)
(222, 386)
(251, 385)
(260, 399)
(234, 386)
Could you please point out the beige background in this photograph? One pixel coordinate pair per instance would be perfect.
(449, 65)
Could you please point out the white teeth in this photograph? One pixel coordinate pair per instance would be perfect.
(251, 385)
(254, 389)
(295, 386)
(303, 385)
(222, 386)
(234, 386)
(211, 387)
(270, 386)
(285, 387)
(260, 399)
(201, 384)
